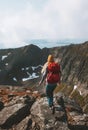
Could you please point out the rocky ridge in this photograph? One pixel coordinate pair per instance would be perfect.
(24, 109)
(74, 62)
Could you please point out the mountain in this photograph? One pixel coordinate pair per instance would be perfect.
(74, 62)
(26, 62)
(54, 42)
(19, 63)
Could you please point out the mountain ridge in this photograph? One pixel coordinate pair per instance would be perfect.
(72, 58)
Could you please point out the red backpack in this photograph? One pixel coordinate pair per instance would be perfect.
(53, 73)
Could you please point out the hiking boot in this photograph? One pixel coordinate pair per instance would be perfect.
(52, 108)
(59, 108)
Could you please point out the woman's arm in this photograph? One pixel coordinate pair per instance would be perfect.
(43, 76)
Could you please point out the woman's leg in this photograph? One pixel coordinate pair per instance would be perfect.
(49, 93)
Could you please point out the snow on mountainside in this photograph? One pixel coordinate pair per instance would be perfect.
(18, 65)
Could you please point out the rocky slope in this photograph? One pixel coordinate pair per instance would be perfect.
(25, 109)
(74, 62)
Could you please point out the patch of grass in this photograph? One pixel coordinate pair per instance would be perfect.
(67, 90)
(86, 108)
(78, 98)
(74, 94)
(86, 104)
(59, 88)
(86, 99)
(63, 88)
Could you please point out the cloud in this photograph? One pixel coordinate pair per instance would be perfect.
(49, 19)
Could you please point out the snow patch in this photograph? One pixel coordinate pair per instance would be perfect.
(3, 57)
(75, 87)
(27, 68)
(35, 67)
(28, 73)
(14, 79)
(9, 53)
(80, 92)
(6, 63)
(33, 76)
(22, 69)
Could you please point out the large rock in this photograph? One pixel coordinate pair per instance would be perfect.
(67, 115)
(43, 118)
(14, 115)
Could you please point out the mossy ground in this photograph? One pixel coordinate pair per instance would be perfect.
(74, 94)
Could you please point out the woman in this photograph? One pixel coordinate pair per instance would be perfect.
(50, 72)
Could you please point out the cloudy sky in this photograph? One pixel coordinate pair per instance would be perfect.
(23, 20)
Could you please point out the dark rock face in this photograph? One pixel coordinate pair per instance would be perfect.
(16, 64)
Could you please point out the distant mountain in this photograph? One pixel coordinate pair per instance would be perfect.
(20, 63)
(54, 42)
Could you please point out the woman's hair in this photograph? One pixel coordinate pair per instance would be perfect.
(50, 58)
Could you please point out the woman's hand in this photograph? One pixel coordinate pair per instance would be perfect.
(40, 83)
